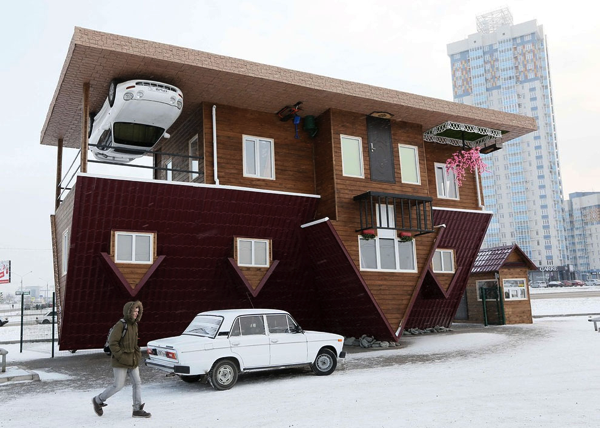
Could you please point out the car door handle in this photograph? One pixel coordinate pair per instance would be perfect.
(235, 343)
(274, 340)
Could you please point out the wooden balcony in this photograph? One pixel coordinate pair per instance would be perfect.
(406, 212)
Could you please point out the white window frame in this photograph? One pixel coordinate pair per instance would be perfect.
(443, 188)
(193, 164)
(415, 158)
(169, 171)
(65, 251)
(515, 293)
(256, 141)
(444, 269)
(133, 242)
(253, 255)
(360, 156)
(397, 244)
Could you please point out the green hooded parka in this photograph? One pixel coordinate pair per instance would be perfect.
(125, 351)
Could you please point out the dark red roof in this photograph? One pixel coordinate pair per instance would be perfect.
(492, 259)
(464, 233)
(314, 278)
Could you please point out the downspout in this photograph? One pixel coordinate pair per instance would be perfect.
(214, 129)
(478, 189)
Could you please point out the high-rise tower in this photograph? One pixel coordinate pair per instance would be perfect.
(505, 67)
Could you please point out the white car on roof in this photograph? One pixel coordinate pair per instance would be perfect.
(134, 117)
(218, 345)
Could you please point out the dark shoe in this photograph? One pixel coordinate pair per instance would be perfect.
(98, 407)
(141, 413)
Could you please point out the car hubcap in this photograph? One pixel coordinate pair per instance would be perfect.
(225, 375)
(324, 363)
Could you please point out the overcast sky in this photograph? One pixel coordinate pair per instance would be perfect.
(394, 44)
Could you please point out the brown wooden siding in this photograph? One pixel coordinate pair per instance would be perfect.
(439, 153)
(179, 144)
(324, 168)
(516, 311)
(391, 290)
(475, 307)
(294, 167)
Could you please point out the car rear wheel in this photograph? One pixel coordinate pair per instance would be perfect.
(190, 379)
(325, 363)
(112, 92)
(46, 322)
(223, 375)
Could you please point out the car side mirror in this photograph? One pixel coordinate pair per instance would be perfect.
(165, 135)
(299, 329)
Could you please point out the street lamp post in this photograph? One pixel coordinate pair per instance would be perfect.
(22, 301)
(47, 282)
(22, 276)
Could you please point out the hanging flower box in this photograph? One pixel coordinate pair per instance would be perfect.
(405, 236)
(368, 234)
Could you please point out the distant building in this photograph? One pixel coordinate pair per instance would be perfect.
(505, 67)
(583, 214)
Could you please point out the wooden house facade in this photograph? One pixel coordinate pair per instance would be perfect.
(498, 287)
(353, 224)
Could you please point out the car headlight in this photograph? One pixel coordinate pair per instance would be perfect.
(172, 101)
(139, 94)
(128, 96)
(179, 104)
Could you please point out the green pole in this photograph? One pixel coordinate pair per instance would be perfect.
(22, 307)
(498, 299)
(53, 310)
(502, 308)
(485, 318)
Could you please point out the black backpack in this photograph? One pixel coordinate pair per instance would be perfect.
(106, 347)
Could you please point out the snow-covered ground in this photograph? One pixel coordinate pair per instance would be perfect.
(540, 375)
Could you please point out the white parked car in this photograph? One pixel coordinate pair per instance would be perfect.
(218, 345)
(49, 318)
(134, 117)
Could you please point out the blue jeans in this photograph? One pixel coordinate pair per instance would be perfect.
(120, 376)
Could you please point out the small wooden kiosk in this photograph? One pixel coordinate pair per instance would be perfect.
(498, 288)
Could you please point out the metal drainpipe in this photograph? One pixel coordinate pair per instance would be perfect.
(477, 177)
(214, 126)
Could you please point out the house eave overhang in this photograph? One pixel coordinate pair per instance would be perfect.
(95, 57)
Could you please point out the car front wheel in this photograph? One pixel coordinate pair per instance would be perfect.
(223, 375)
(46, 322)
(325, 363)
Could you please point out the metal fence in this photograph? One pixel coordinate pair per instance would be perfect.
(32, 325)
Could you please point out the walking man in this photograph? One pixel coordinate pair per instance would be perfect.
(125, 358)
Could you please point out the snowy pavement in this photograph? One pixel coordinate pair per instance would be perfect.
(540, 375)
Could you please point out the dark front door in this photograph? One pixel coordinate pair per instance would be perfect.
(381, 152)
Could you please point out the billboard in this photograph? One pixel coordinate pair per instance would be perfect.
(4, 271)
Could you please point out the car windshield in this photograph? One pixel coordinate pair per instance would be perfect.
(135, 134)
(204, 325)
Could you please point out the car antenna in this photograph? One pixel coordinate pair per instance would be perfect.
(251, 304)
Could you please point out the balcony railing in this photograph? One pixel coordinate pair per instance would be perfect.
(395, 212)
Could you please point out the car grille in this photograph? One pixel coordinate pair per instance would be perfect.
(156, 85)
